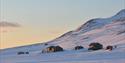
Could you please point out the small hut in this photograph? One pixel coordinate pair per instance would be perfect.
(109, 47)
(95, 46)
(79, 47)
(52, 49)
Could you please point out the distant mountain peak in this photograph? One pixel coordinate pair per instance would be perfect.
(119, 15)
(122, 12)
(100, 22)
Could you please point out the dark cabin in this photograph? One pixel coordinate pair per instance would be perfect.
(79, 47)
(109, 48)
(95, 46)
(52, 49)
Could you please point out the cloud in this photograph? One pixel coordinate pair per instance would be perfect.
(8, 24)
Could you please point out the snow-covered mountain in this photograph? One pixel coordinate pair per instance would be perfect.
(104, 30)
(100, 22)
(107, 31)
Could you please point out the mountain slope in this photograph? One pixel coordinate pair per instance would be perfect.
(105, 31)
(100, 22)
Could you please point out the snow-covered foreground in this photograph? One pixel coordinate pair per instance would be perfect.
(82, 56)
